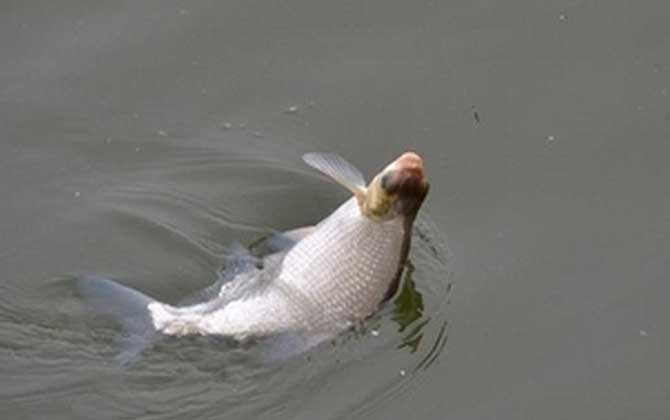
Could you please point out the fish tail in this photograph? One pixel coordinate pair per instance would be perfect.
(127, 306)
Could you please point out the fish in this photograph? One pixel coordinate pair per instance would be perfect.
(317, 282)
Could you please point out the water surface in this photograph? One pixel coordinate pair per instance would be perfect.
(141, 139)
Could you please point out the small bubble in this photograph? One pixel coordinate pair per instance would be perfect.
(108, 140)
(639, 108)
(292, 110)
(402, 372)
(664, 92)
(183, 12)
(137, 149)
(226, 126)
(136, 115)
(374, 333)
(162, 133)
(77, 194)
(561, 17)
(643, 333)
(551, 138)
(311, 103)
(258, 134)
(242, 125)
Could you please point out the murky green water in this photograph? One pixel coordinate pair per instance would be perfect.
(141, 139)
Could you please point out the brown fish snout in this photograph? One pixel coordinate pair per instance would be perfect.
(406, 179)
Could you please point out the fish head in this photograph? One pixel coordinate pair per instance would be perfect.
(397, 191)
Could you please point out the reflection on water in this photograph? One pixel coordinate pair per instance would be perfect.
(408, 308)
(408, 311)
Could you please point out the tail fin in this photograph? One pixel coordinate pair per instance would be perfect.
(125, 305)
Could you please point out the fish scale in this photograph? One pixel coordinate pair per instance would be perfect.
(327, 280)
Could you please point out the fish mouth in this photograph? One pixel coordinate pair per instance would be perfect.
(406, 179)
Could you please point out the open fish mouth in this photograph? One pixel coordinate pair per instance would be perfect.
(405, 179)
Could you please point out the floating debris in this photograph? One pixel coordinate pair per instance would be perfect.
(561, 17)
(226, 126)
(77, 194)
(242, 125)
(374, 333)
(292, 110)
(402, 372)
(475, 114)
(643, 333)
(258, 134)
(162, 133)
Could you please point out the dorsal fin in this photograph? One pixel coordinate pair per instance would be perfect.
(339, 169)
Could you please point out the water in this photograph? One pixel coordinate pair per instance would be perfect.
(141, 139)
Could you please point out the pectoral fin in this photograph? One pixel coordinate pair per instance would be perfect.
(339, 169)
(283, 241)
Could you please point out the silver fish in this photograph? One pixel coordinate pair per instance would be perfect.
(327, 278)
